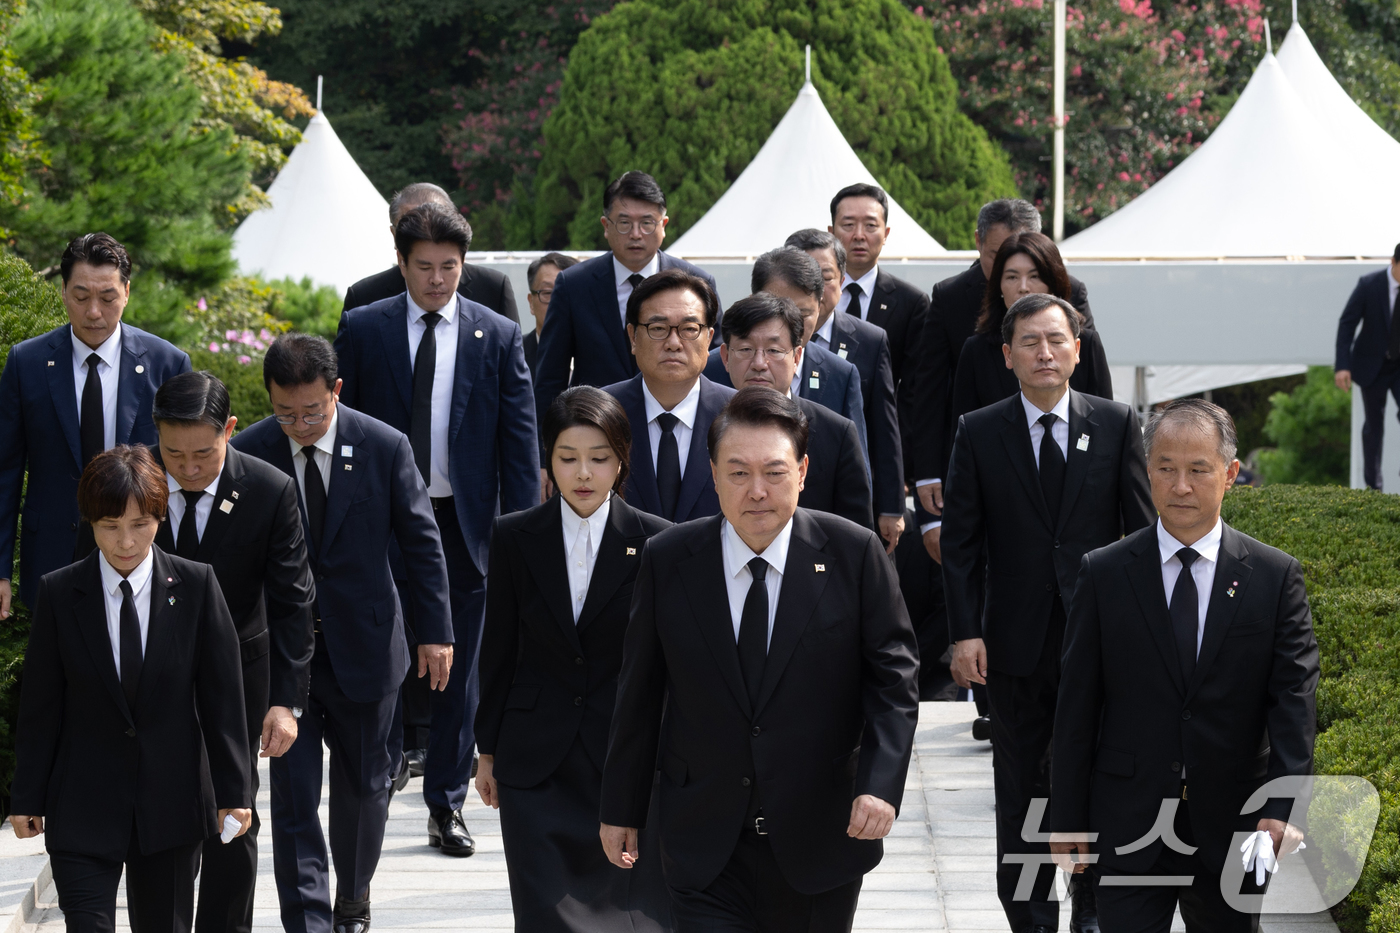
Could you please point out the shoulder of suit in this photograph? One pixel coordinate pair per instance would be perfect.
(626, 389)
(510, 522)
(489, 322)
(1259, 552)
(1098, 403)
(376, 431)
(820, 413)
(153, 344)
(256, 433)
(256, 471)
(1126, 548)
(714, 389)
(39, 345)
(885, 278)
(994, 413)
(485, 273)
(864, 329)
(675, 262)
(842, 532)
(374, 308)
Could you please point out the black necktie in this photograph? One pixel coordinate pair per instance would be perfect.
(1186, 612)
(1052, 467)
(668, 466)
(315, 493)
(90, 428)
(854, 307)
(635, 279)
(420, 425)
(753, 630)
(1392, 350)
(131, 652)
(188, 542)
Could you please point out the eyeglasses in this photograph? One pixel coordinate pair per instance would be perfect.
(647, 226)
(688, 331)
(772, 354)
(309, 420)
(543, 294)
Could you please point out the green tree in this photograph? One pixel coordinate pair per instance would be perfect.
(19, 151)
(689, 90)
(1311, 427)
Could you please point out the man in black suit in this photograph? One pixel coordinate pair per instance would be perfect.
(1192, 701)
(1371, 359)
(586, 327)
(670, 404)
(239, 515)
(480, 284)
(777, 643)
(361, 494)
(1036, 482)
(762, 347)
(540, 276)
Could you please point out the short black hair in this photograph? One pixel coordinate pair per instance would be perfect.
(192, 398)
(760, 406)
(594, 408)
(759, 308)
(812, 239)
(638, 186)
(434, 223)
(791, 265)
(1033, 304)
(557, 260)
(300, 359)
(669, 281)
(95, 249)
(862, 190)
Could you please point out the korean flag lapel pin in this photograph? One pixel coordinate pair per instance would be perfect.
(819, 568)
(347, 451)
(1083, 442)
(631, 552)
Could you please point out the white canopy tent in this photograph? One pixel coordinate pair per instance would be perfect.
(327, 221)
(788, 186)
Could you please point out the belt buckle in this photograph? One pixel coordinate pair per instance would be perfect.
(758, 825)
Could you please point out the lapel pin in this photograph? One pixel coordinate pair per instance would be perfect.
(842, 352)
(631, 552)
(234, 494)
(348, 468)
(820, 568)
(883, 307)
(140, 369)
(50, 362)
(226, 506)
(479, 334)
(169, 579)
(171, 600)
(1083, 442)
(1230, 591)
(815, 382)
(346, 450)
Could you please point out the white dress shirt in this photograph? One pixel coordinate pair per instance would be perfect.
(581, 538)
(825, 331)
(325, 450)
(140, 580)
(686, 410)
(624, 288)
(867, 289)
(1059, 432)
(202, 507)
(1202, 569)
(439, 480)
(738, 577)
(110, 350)
(1393, 286)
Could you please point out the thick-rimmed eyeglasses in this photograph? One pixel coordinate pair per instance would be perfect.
(309, 420)
(624, 227)
(543, 294)
(688, 331)
(772, 354)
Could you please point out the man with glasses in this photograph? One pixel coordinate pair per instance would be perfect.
(588, 312)
(670, 405)
(540, 276)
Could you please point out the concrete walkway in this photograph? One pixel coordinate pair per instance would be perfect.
(937, 874)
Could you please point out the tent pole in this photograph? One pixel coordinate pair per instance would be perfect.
(318, 93)
(1058, 165)
(809, 64)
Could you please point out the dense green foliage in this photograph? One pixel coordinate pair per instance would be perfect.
(1311, 427)
(688, 90)
(307, 307)
(19, 152)
(1348, 542)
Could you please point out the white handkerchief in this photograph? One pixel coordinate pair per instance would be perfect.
(231, 828)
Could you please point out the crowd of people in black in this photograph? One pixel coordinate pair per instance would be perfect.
(665, 582)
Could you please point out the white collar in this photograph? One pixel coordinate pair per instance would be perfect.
(415, 313)
(686, 409)
(138, 578)
(327, 442)
(737, 554)
(621, 273)
(827, 329)
(866, 282)
(1061, 409)
(1208, 546)
(211, 490)
(108, 350)
(574, 521)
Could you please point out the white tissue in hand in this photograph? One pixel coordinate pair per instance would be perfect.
(1258, 852)
(231, 828)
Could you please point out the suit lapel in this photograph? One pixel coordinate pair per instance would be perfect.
(393, 332)
(469, 355)
(1081, 423)
(1232, 572)
(880, 312)
(605, 290)
(91, 611)
(230, 490)
(1145, 576)
(705, 584)
(346, 474)
(622, 535)
(697, 464)
(550, 571)
(132, 389)
(801, 593)
(62, 390)
(1016, 437)
(844, 342)
(168, 608)
(642, 479)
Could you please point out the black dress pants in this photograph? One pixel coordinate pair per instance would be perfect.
(159, 889)
(1023, 719)
(1373, 428)
(752, 896)
(229, 873)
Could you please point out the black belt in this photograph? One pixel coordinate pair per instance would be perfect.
(442, 502)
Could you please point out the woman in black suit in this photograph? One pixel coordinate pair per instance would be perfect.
(558, 597)
(1026, 263)
(132, 747)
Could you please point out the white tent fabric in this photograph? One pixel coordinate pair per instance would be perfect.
(327, 221)
(1272, 180)
(1165, 383)
(788, 186)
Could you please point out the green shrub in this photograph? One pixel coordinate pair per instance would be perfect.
(1311, 427)
(309, 308)
(29, 306)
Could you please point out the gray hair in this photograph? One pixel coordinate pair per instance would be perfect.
(414, 195)
(1205, 417)
(1016, 215)
(813, 239)
(1033, 304)
(790, 265)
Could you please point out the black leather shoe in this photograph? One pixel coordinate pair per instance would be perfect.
(1084, 909)
(447, 832)
(401, 779)
(982, 728)
(415, 758)
(351, 916)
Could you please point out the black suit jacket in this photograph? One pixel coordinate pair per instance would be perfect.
(1369, 306)
(835, 716)
(837, 479)
(376, 497)
(983, 378)
(535, 660)
(478, 283)
(258, 553)
(867, 347)
(900, 308)
(952, 319)
(93, 767)
(995, 508)
(584, 327)
(1127, 721)
(531, 345)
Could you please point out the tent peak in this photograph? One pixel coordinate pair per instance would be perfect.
(809, 62)
(319, 79)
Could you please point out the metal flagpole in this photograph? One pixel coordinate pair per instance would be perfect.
(1058, 169)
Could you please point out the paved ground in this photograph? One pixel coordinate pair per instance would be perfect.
(936, 875)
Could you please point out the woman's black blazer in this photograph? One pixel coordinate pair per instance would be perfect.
(982, 378)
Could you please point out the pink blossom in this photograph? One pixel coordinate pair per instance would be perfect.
(245, 360)
(213, 347)
(202, 305)
(1123, 176)
(230, 334)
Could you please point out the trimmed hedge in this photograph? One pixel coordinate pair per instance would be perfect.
(1348, 542)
